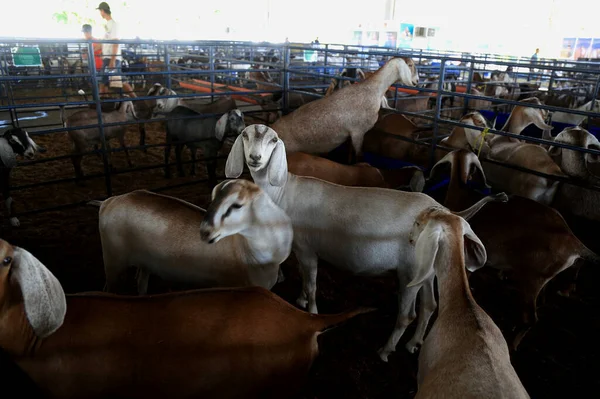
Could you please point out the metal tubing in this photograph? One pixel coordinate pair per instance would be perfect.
(469, 85)
(438, 111)
(168, 63)
(96, 94)
(286, 80)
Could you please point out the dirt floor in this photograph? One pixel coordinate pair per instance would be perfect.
(558, 358)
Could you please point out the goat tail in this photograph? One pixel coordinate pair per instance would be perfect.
(322, 323)
(95, 203)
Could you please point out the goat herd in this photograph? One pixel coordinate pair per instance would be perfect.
(234, 338)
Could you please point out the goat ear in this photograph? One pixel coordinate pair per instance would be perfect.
(43, 297)
(404, 73)
(556, 154)
(278, 169)
(476, 172)
(536, 118)
(218, 188)
(417, 182)
(221, 126)
(131, 108)
(475, 254)
(235, 161)
(592, 161)
(426, 250)
(476, 140)
(442, 168)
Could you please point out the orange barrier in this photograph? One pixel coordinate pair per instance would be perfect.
(459, 89)
(205, 87)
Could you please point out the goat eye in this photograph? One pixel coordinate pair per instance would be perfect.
(274, 140)
(236, 206)
(245, 135)
(7, 261)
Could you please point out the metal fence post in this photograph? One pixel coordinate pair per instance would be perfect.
(211, 62)
(14, 121)
(552, 74)
(325, 60)
(438, 111)
(286, 78)
(469, 84)
(168, 63)
(96, 94)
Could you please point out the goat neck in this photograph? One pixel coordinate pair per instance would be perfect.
(276, 193)
(265, 230)
(16, 334)
(449, 264)
(387, 75)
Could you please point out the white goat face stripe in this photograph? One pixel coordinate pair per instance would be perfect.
(15, 138)
(238, 112)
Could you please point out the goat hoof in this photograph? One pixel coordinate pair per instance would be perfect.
(14, 222)
(302, 302)
(383, 354)
(413, 347)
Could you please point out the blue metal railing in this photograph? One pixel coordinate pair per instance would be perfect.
(217, 60)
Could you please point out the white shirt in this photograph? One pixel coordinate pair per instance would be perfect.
(111, 31)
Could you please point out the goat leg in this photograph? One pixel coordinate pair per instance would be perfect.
(76, 160)
(406, 314)
(308, 262)
(142, 128)
(178, 150)
(122, 141)
(142, 278)
(529, 287)
(167, 156)
(427, 306)
(5, 181)
(193, 158)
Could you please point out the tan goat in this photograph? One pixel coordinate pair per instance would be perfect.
(322, 125)
(361, 174)
(464, 354)
(516, 234)
(240, 240)
(531, 156)
(216, 343)
(585, 167)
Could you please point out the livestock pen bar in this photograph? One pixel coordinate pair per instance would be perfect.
(34, 88)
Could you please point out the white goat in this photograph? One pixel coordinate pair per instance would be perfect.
(465, 354)
(574, 119)
(585, 167)
(240, 240)
(322, 125)
(359, 229)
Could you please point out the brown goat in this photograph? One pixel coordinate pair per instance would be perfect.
(517, 235)
(216, 343)
(361, 174)
(378, 140)
(465, 354)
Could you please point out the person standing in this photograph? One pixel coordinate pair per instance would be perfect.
(534, 59)
(86, 29)
(111, 52)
